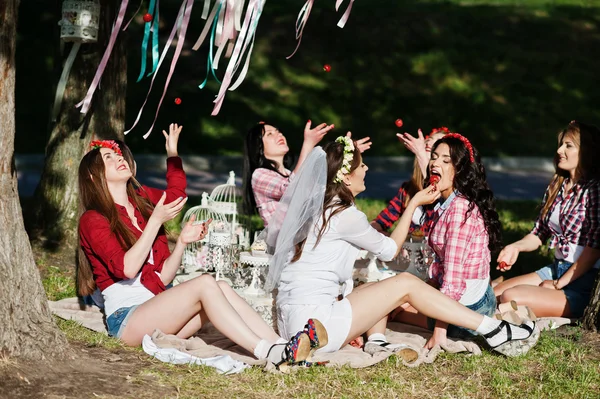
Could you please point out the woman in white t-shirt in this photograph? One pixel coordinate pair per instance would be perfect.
(318, 232)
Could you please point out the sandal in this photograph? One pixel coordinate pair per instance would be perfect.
(514, 346)
(317, 334)
(296, 350)
(405, 352)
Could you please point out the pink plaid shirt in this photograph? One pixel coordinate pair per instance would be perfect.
(268, 187)
(460, 245)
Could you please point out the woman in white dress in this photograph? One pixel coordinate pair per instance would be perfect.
(318, 232)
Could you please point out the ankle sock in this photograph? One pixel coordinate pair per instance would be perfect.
(262, 349)
(377, 337)
(281, 341)
(488, 324)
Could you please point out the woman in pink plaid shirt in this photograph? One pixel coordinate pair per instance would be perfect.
(570, 219)
(266, 165)
(465, 233)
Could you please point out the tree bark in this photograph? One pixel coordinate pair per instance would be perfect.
(26, 327)
(591, 317)
(55, 210)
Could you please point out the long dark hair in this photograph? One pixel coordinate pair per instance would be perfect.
(338, 196)
(94, 195)
(587, 139)
(254, 158)
(470, 180)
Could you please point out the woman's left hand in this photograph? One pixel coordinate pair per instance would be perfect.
(363, 144)
(549, 284)
(193, 232)
(313, 136)
(172, 139)
(416, 145)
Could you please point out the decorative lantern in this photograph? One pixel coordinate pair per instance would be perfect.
(79, 21)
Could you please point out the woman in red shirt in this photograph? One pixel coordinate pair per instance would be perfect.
(124, 252)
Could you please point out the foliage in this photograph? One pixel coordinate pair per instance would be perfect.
(507, 73)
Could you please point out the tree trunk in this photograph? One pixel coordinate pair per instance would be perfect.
(591, 317)
(55, 210)
(26, 327)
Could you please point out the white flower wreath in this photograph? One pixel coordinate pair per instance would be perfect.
(348, 156)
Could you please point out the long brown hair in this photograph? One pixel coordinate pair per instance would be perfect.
(94, 195)
(337, 195)
(587, 139)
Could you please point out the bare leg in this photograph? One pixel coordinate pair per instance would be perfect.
(249, 315)
(413, 317)
(544, 302)
(527, 279)
(173, 309)
(370, 304)
(380, 326)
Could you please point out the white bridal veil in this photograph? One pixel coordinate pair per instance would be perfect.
(297, 212)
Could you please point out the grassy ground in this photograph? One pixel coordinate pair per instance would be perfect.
(563, 365)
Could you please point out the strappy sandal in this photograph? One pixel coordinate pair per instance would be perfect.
(403, 351)
(317, 334)
(296, 351)
(514, 346)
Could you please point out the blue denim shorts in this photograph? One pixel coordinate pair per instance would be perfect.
(117, 321)
(577, 292)
(485, 306)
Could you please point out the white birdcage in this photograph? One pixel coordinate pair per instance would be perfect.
(224, 199)
(79, 21)
(195, 256)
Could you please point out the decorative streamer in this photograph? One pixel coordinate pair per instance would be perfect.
(344, 19)
(147, 27)
(86, 102)
(301, 22)
(154, 30)
(210, 61)
(134, 15)
(186, 8)
(64, 77)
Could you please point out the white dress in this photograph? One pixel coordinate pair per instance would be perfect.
(309, 287)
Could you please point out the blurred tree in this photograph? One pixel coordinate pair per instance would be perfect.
(55, 214)
(591, 317)
(27, 329)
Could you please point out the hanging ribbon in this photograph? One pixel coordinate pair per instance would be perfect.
(344, 19)
(64, 77)
(183, 18)
(301, 22)
(147, 28)
(155, 28)
(86, 102)
(245, 40)
(134, 15)
(210, 68)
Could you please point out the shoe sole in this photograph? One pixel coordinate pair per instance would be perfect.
(303, 350)
(519, 347)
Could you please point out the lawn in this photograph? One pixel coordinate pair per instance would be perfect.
(563, 365)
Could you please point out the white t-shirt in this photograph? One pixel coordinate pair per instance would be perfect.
(317, 276)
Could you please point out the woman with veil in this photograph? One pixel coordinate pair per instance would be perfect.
(317, 233)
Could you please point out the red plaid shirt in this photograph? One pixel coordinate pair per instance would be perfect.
(396, 208)
(268, 187)
(460, 245)
(579, 217)
(102, 247)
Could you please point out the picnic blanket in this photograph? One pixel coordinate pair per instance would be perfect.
(211, 348)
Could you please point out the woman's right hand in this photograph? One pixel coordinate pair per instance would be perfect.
(313, 136)
(164, 212)
(426, 196)
(507, 257)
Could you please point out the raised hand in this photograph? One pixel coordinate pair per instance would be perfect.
(172, 139)
(426, 196)
(165, 212)
(416, 145)
(363, 144)
(507, 257)
(312, 136)
(193, 232)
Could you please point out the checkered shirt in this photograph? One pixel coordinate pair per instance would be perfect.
(460, 245)
(579, 217)
(268, 187)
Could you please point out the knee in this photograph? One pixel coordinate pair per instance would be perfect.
(510, 294)
(226, 288)
(407, 280)
(206, 282)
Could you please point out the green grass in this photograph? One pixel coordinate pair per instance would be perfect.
(562, 365)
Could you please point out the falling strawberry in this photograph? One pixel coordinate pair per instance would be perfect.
(399, 122)
(147, 17)
(178, 101)
(327, 68)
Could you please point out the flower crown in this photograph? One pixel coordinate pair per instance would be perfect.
(435, 130)
(348, 156)
(466, 142)
(110, 144)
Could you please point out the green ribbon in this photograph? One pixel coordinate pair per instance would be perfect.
(210, 68)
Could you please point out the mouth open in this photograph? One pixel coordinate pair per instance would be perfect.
(122, 167)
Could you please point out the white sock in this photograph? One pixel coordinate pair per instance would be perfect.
(262, 349)
(377, 337)
(281, 341)
(488, 324)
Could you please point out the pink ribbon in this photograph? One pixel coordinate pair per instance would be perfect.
(301, 22)
(85, 103)
(344, 19)
(134, 15)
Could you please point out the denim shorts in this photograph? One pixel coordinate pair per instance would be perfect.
(117, 321)
(485, 306)
(578, 292)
